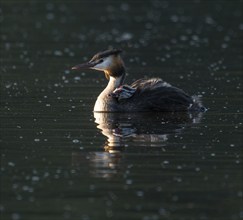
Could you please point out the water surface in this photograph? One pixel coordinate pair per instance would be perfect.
(59, 160)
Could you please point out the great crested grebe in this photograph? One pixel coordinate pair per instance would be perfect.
(142, 96)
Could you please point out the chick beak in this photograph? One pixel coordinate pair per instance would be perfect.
(84, 66)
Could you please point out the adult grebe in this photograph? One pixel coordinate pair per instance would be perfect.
(142, 96)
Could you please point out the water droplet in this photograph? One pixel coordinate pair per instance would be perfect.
(140, 193)
(126, 36)
(77, 78)
(58, 53)
(75, 141)
(224, 46)
(50, 16)
(129, 182)
(174, 18)
(66, 72)
(19, 197)
(11, 164)
(35, 178)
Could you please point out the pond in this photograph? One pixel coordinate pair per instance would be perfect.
(59, 160)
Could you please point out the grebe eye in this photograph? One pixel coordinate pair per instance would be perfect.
(100, 61)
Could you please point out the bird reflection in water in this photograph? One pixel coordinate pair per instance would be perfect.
(142, 130)
(147, 129)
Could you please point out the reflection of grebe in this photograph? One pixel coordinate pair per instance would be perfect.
(148, 129)
(151, 130)
(102, 164)
(142, 96)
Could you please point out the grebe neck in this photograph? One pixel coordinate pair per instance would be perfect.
(115, 82)
(105, 102)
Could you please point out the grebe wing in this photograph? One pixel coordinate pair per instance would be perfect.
(150, 83)
(159, 95)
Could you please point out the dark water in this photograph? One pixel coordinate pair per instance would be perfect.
(61, 161)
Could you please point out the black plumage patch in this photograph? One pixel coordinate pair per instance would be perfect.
(104, 54)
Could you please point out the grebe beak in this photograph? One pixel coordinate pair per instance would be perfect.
(84, 65)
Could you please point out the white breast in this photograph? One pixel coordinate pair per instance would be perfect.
(99, 105)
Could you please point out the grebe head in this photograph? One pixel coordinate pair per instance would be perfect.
(108, 61)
